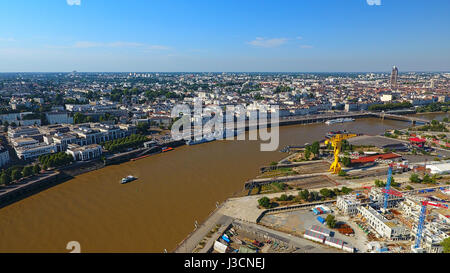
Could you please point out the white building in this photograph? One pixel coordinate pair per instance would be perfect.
(442, 168)
(34, 151)
(11, 117)
(384, 227)
(59, 118)
(21, 119)
(348, 204)
(22, 131)
(23, 141)
(78, 107)
(386, 98)
(29, 122)
(84, 153)
(351, 107)
(63, 140)
(377, 197)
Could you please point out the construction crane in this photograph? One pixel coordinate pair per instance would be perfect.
(388, 192)
(388, 187)
(336, 142)
(423, 213)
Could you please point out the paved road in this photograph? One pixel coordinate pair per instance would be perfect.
(26, 183)
(189, 244)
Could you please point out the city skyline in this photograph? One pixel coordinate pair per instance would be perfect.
(303, 36)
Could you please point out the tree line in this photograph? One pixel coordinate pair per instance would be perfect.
(15, 173)
(55, 160)
(305, 195)
(435, 107)
(121, 144)
(390, 106)
(427, 179)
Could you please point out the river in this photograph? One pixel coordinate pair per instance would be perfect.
(158, 210)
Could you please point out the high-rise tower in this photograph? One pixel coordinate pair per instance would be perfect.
(394, 77)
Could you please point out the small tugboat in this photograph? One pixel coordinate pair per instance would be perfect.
(166, 149)
(128, 179)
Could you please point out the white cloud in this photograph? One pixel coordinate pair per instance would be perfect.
(87, 44)
(7, 40)
(157, 47)
(374, 2)
(268, 43)
(73, 2)
(118, 44)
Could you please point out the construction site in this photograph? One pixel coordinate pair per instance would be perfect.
(350, 193)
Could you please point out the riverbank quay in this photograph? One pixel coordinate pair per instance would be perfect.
(127, 156)
(29, 186)
(78, 168)
(193, 240)
(44, 180)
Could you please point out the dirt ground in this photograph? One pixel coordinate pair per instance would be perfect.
(293, 221)
(313, 182)
(317, 167)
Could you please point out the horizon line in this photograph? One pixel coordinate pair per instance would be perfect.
(285, 72)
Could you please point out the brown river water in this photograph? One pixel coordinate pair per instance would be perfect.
(157, 211)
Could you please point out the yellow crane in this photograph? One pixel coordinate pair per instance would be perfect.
(336, 142)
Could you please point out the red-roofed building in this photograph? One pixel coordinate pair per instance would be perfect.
(419, 142)
(370, 159)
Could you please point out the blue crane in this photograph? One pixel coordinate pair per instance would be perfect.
(388, 187)
(423, 213)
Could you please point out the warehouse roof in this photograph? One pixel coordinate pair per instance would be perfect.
(368, 159)
(314, 234)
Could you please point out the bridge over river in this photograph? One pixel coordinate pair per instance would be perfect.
(321, 118)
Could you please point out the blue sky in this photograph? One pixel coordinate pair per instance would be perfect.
(224, 35)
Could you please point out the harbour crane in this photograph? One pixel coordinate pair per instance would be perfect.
(336, 142)
(423, 213)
